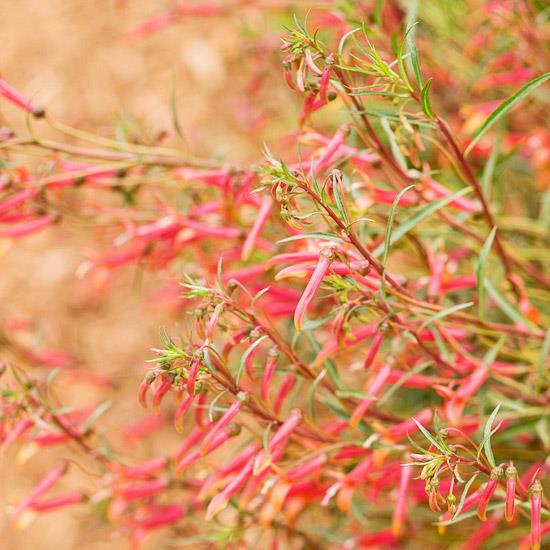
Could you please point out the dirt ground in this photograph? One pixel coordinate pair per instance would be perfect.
(72, 56)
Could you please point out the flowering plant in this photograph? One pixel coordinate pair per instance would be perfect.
(366, 354)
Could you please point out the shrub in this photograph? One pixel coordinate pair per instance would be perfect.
(366, 354)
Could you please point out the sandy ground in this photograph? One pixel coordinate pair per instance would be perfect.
(71, 56)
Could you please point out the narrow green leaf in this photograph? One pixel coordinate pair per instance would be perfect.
(311, 394)
(414, 59)
(492, 354)
(464, 495)
(245, 356)
(489, 169)
(313, 235)
(396, 152)
(415, 219)
(504, 107)
(388, 235)
(98, 411)
(480, 272)
(393, 388)
(470, 514)
(212, 406)
(356, 394)
(444, 313)
(487, 433)
(429, 436)
(542, 361)
(506, 307)
(425, 100)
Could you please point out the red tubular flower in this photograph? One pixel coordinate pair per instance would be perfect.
(535, 493)
(325, 259)
(400, 510)
(511, 478)
(261, 219)
(488, 492)
(18, 99)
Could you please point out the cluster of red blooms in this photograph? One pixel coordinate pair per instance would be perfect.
(367, 337)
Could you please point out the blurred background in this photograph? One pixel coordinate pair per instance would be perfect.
(79, 59)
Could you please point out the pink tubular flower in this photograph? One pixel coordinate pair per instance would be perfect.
(356, 336)
(400, 510)
(145, 469)
(306, 468)
(488, 492)
(132, 491)
(286, 385)
(261, 220)
(18, 198)
(324, 84)
(468, 387)
(44, 485)
(57, 502)
(219, 502)
(33, 225)
(330, 151)
(162, 389)
(269, 371)
(157, 516)
(278, 440)
(325, 259)
(219, 439)
(18, 99)
(481, 534)
(525, 543)
(238, 462)
(374, 387)
(143, 389)
(19, 429)
(183, 407)
(373, 350)
(226, 418)
(535, 493)
(511, 478)
(188, 443)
